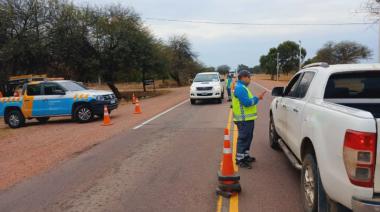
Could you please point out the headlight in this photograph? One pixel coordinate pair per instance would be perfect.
(99, 98)
(218, 88)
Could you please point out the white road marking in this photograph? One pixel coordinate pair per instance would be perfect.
(159, 115)
(262, 87)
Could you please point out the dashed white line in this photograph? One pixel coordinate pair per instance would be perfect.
(159, 115)
(263, 87)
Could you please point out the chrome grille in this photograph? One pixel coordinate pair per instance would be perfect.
(204, 88)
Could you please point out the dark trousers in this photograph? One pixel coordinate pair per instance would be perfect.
(229, 92)
(245, 137)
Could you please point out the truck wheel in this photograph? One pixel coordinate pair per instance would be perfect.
(273, 136)
(220, 100)
(15, 119)
(193, 101)
(43, 120)
(83, 114)
(312, 192)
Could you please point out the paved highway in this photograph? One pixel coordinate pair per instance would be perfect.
(168, 163)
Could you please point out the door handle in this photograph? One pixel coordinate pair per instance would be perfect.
(295, 110)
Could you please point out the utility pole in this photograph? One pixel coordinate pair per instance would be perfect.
(300, 55)
(278, 65)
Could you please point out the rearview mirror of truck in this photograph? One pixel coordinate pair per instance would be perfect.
(278, 91)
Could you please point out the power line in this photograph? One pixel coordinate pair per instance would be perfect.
(260, 24)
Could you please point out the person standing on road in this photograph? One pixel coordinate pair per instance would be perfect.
(244, 107)
(229, 82)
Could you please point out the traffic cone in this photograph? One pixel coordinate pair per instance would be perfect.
(137, 107)
(228, 180)
(133, 98)
(106, 117)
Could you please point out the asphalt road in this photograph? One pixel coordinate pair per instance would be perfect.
(168, 164)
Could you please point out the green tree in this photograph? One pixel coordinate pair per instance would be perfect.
(342, 53)
(268, 63)
(223, 69)
(289, 53)
(182, 59)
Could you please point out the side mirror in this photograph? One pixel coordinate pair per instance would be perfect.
(278, 91)
(59, 92)
(222, 80)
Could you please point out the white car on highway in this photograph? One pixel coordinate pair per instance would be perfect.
(207, 85)
(327, 122)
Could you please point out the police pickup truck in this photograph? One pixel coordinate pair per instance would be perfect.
(45, 99)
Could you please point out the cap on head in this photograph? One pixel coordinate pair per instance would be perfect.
(243, 73)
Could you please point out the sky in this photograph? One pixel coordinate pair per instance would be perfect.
(240, 44)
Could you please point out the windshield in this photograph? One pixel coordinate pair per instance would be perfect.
(72, 86)
(206, 78)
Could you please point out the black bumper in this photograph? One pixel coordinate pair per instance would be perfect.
(98, 107)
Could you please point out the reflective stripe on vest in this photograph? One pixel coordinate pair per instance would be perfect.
(242, 113)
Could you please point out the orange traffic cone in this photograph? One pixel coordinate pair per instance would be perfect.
(228, 180)
(106, 117)
(137, 107)
(133, 98)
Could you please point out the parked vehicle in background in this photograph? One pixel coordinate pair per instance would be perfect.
(45, 99)
(206, 86)
(327, 121)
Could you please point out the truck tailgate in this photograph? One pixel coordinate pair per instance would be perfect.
(377, 167)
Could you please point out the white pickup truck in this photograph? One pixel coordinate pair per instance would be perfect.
(327, 123)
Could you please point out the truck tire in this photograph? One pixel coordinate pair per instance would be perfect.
(193, 101)
(43, 120)
(83, 114)
(273, 136)
(220, 100)
(15, 119)
(314, 197)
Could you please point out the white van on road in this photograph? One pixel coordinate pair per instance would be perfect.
(207, 85)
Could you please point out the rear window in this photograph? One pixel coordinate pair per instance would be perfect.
(354, 85)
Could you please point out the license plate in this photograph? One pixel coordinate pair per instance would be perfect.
(113, 101)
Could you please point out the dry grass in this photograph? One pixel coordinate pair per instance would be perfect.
(283, 78)
(134, 86)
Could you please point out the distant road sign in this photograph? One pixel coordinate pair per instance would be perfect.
(149, 82)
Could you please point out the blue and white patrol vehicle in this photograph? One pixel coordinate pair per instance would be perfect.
(45, 99)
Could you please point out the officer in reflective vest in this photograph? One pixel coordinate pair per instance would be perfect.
(244, 106)
(229, 82)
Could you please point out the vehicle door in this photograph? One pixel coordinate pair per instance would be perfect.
(281, 107)
(32, 101)
(56, 101)
(295, 104)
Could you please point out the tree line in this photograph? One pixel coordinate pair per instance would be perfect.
(87, 44)
(286, 56)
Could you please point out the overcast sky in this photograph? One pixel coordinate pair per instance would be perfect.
(235, 44)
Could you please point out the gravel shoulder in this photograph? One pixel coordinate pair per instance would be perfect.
(31, 150)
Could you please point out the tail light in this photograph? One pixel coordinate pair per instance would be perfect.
(359, 154)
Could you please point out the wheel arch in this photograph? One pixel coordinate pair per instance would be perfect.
(307, 147)
(8, 109)
(76, 104)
